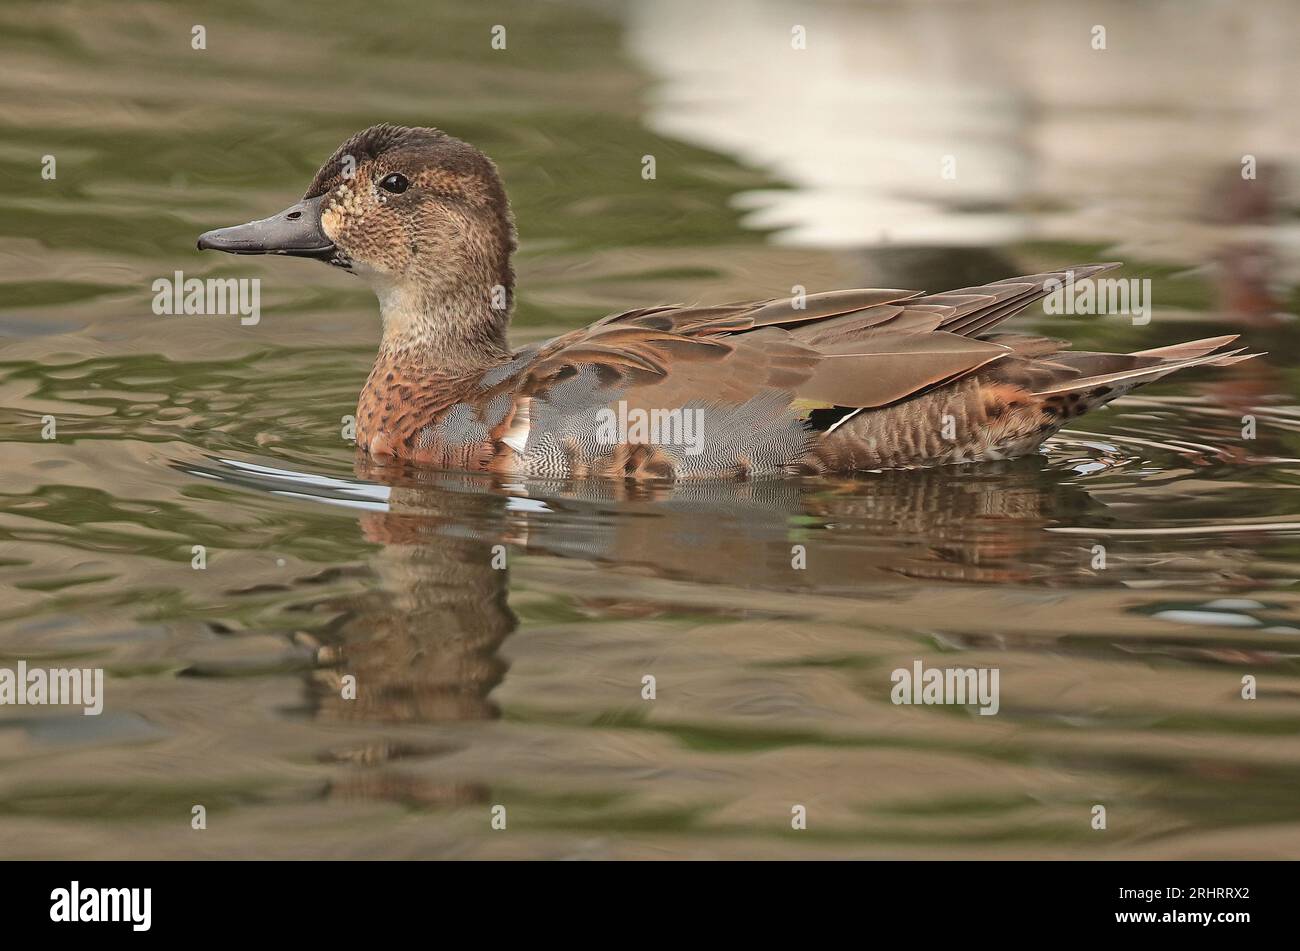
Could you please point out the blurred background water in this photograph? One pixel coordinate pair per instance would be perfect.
(775, 166)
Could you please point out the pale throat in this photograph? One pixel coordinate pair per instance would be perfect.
(451, 329)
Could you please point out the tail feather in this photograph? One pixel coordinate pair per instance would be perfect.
(1192, 348)
(1228, 361)
(1166, 360)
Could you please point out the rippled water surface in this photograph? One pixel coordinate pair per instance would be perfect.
(1123, 582)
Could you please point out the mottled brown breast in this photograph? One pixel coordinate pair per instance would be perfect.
(407, 412)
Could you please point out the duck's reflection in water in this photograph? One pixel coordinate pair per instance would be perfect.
(423, 647)
(969, 523)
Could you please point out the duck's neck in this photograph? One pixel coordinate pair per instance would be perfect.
(444, 331)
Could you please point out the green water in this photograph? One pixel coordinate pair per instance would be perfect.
(478, 687)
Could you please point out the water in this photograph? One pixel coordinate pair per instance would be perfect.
(1120, 685)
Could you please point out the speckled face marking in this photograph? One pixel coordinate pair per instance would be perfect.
(416, 203)
(423, 218)
(342, 206)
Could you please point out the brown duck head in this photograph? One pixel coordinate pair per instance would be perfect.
(424, 219)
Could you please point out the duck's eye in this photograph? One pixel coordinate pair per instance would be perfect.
(395, 183)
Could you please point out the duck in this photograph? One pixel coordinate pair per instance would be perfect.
(836, 382)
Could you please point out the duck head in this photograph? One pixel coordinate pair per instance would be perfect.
(424, 219)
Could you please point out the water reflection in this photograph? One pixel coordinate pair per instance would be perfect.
(916, 128)
(972, 523)
(425, 641)
(422, 647)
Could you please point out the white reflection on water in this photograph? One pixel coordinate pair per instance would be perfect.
(1137, 146)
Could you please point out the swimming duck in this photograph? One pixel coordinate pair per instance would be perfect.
(832, 382)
